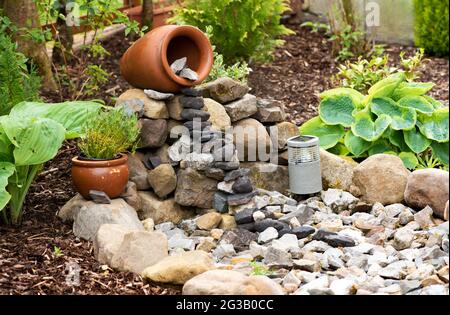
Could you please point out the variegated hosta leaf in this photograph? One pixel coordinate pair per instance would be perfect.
(397, 138)
(36, 140)
(339, 149)
(402, 118)
(356, 145)
(409, 160)
(6, 171)
(364, 127)
(381, 146)
(416, 141)
(72, 115)
(440, 151)
(337, 110)
(419, 103)
(386, 87)
(357, 97)
(435, 126)
(436, 104)
(329, 135)
(412, 89)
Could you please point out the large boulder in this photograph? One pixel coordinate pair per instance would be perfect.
(219, 118)
(242, 108)
(337, 172)
(252, 140)
(90, 216)
(179, 268)
(380, 178)
(139, 250)
(268, 176)
(228, 282)
(152, 109)
(162, 210)
(428, 187)
(153, 133)
(195, 189)
(107, 242)
(224, 90)
(163, 180)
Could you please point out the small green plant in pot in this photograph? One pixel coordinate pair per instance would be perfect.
(102, 165)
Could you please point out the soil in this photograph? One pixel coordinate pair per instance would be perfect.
(34, 256)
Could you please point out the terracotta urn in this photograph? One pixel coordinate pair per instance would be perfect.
(109, 176)
(146, 64)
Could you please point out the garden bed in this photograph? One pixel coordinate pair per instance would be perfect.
(30, 263)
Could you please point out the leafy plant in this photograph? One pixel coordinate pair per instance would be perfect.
(17, 82)
(431, 26)
(363, 73)
(241, 30)
(317, 27)
(57, 252)
(396, 117)
(31, 135)
(259, 269)
(108, 133)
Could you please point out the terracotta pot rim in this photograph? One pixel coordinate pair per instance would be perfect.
(197, 36)
(122, 159)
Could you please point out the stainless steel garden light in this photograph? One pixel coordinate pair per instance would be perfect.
(304, 165)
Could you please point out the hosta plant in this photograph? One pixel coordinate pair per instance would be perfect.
(396, 117)
(31, 135)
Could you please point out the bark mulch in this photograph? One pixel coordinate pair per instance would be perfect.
(34, 257)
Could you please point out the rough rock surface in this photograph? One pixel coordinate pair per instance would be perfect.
(336, 172)
(195, 189)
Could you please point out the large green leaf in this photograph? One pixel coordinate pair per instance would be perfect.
(435, 127)
(329, 135)
(412, 89)
(356, 96)
(72, 115)
(36, 140)
(387, 86)
(337, 110)
(381, 146)
(396, 137)
(440, 151)
(6, 147)
(436, 104)
(419, 103)
(402, 118)
(339, 149)
(356, 145)
(416, 141)
(409, 160)
(364, 127)
(6, 171)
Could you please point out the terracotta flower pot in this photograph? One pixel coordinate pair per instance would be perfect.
(109, 176)
(146, 64)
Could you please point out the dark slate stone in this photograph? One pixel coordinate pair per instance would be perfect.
(227, 166)
(239, 238)
(240, 199)
(244, 216)
(242, 185)
(261, 226)
(203, 124)
(215, 173)
(191, 92)
(190, 114)
(247, 226)
(322, 234)
(220, 202)
(303, 231)
(339, 241)
(285, 231)
(99, 197)
(192, 102)
(361, 207)
(151, 161)
(233, 175)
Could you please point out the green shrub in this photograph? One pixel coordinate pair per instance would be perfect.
(362, 74)
(241, 30)
(17, 83)
(108, 133)
(431, 26)
(396, 117)
(31, 135)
